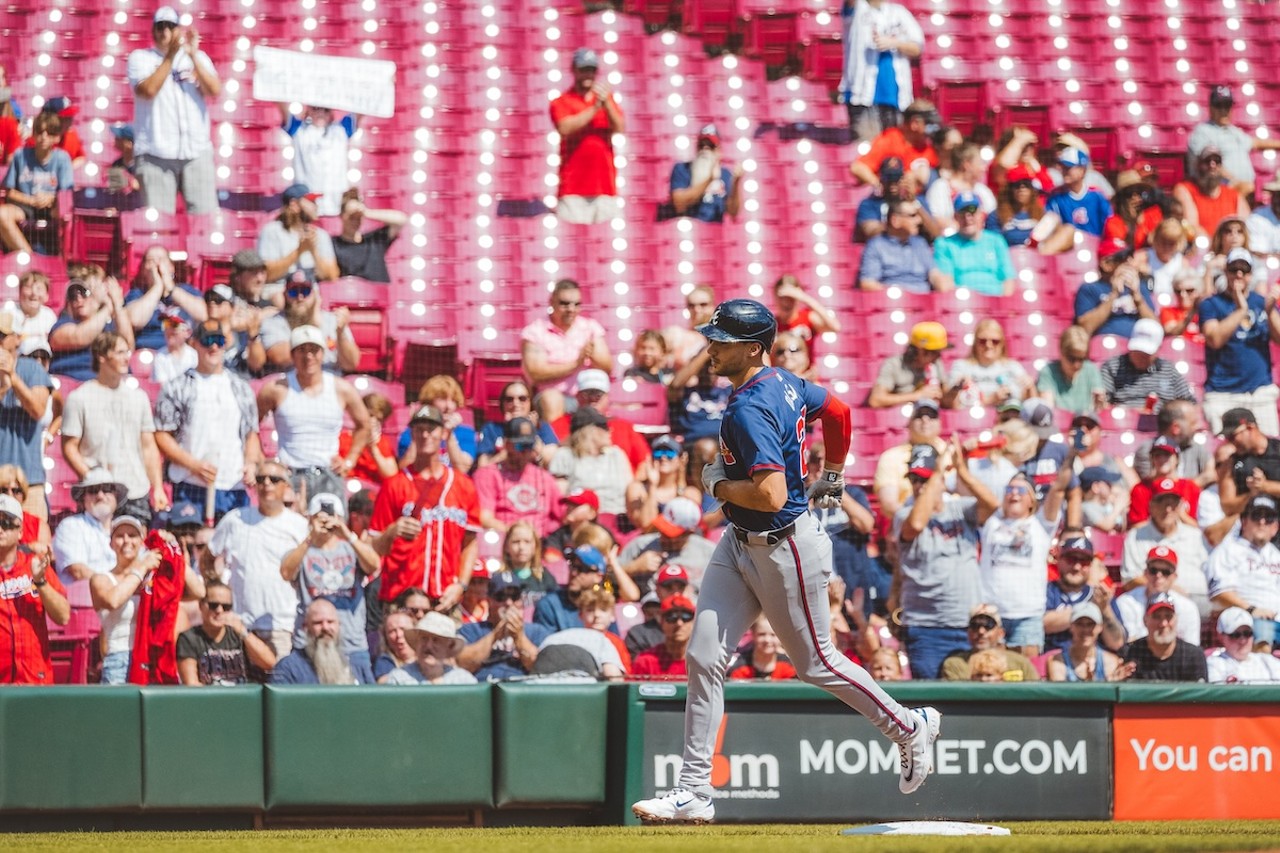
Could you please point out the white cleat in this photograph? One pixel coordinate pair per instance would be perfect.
(679, 806)
(917, 753)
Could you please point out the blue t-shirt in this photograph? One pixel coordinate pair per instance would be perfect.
(78, 364)
(1017, 231)
(491, 437)
(763, 430)
(503, 662)
(1124, 313)
(20, 435)
(1088, 212)
(873, 208)
(886, 81)
(466, 442)
(555, 613)
(151, 336)
(894, 263)
(296, 668)
(29, 176)
(712, 207)
(1243, 363)
(1056, 597)
(700, 410)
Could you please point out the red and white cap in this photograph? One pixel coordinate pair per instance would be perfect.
(1163, 554)
(671, 573)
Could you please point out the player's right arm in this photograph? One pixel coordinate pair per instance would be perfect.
(766, 491)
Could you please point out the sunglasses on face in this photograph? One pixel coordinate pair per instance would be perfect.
(218, 340)
(516, 398)
(982, 625)
(417, 611)
(264, 479)
(215, 606)
(1264, 517)
(676, 617)
(664, 454)
(506, 597)
(100, 490)
(925, 416)
(8, 522)
(1242, 634)
(299, 292)
(991, 342)
(12, 490)
(1212, 161)
(171, 324)
(1077, 560)
(1016, 490)
(780, 350)
(1162, 572)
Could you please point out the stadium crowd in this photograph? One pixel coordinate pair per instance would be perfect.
(320, 549)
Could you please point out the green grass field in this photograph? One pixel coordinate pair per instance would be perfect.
(1060, 837)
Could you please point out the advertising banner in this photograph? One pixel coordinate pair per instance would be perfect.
(361, 86)
(1188, 761)
(821, 761)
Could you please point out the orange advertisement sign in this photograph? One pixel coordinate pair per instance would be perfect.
(1189, 762)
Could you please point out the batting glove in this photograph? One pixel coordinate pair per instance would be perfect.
(712, 475)
(827, 489)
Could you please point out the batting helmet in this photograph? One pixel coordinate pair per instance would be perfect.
(741, 320)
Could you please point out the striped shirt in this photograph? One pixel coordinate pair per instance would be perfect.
(307, 426)
(1126, 385)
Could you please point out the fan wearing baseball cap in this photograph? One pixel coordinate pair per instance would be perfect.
(1236, 662)
(1074, 202)
(293, 241)
(973, 257)
(1121, 294)
(586, 117)
(1161, 655)
(1234, 143)
(1244, 571)
(66, 111)
(517, 488)
(1133, 378)
(32, 597)
(1160, 576)
(171, 81)
(1164, 480)
(1206, 196)
(675, 539)
(916, 374)
(704, 188)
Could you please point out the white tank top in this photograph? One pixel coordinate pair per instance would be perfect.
(307, 426)
(117, 625)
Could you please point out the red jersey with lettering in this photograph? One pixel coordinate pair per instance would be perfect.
(448, 509)
(155, 657)
(24, 633)
(657, 664)
(586, 157)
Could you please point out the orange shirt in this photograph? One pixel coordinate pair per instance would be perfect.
(893, 143)
(1213, 209)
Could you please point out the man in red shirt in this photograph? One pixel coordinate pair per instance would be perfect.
(665, 661)
(587, 117)
(909, 141)
(28, 594)
(426, 518)
(593, 390)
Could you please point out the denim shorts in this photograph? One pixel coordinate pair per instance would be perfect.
(115, 668)
(1024, 632)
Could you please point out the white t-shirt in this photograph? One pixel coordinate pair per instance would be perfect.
(1015, 555)
(252, 546)
(594, 642)
(1223, 668)
(38, 326)
(109, 423)
(174, 125)
(1186, 541)
(320, 160)
(81, 539)
(1132, 606)
(1251, 573)
(208, 434)
(410, 675)
(607, 475)
(275, 241)
(166, 365)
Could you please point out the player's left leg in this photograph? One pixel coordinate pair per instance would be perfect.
(790, 579)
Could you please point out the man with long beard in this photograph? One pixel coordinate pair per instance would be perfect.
(302, 307)
(321, 660)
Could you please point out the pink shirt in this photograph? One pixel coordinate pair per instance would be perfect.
(561, 346)
(533, 496)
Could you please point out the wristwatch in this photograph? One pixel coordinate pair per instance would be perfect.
(39, 583)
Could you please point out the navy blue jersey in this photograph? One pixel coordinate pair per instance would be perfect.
(763, 430)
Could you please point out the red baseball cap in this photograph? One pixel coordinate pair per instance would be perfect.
(678, 602)
(1163, 554)
(671, 573)
(582, 497)
(1165, 486)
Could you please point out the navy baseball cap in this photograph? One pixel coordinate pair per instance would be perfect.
(520, 433)
(924, 460)
(585, 57)
(503, 581)
(297, 191)
(1098, 474)
(184, 513)
(891, 170)
(1076, 545)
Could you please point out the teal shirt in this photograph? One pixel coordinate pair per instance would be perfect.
(1076, 397)
(983, 264)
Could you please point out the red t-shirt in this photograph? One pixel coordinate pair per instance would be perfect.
(783, 671)
(656, 663)
(10, 137)
(366, 466)
(24, 634)
(893, 143)
(448, 510)
(1174, 314)
(1210, 209)
(1140, 499)
(586, 157)
(1148, 221)
(621, 647)
(801, 323)
(621, 432)
(69, 143)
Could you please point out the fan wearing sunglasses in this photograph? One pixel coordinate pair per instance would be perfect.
(1236, 662)
(303, 306)
(666, 661)
(1244, 571)
(505, 645)
(219, 649)
(516, 400)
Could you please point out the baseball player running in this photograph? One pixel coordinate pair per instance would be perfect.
(774, 558)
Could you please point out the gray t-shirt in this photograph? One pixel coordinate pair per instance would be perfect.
(694, 556)
(109, 423)
(20, 434)
(275, 241)
(333, 574)
(275, 330)
(897, 378)
(940, 581)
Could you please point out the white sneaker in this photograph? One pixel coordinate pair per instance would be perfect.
(679, 806)
(917, 753)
